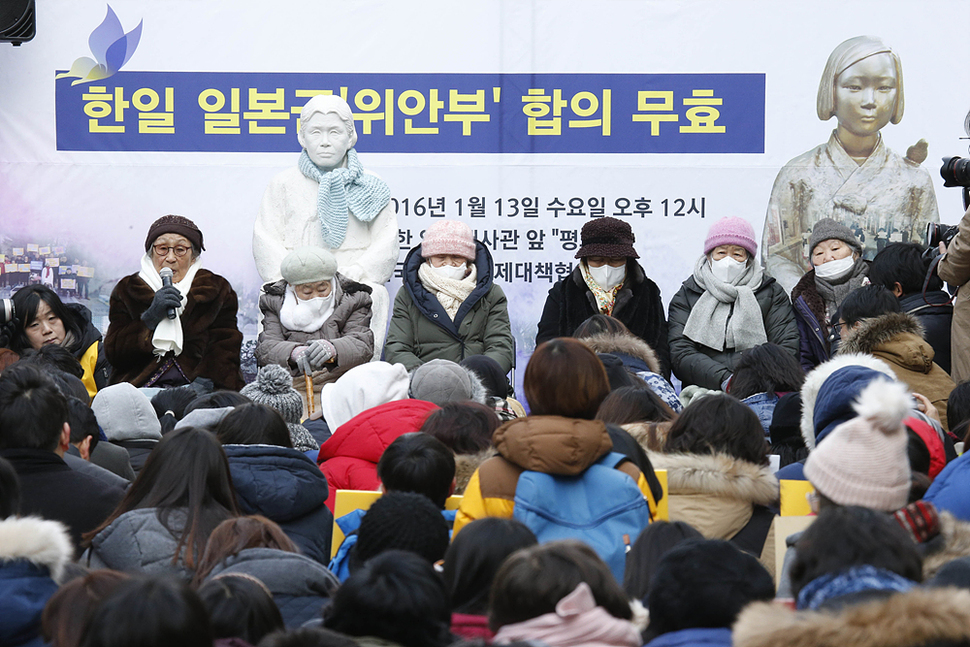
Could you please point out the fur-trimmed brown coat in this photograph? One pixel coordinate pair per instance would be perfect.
(897, 338)
(917, 617)
(717, 493)
(212, 339)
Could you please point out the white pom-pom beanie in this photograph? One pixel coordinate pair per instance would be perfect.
(864, 461)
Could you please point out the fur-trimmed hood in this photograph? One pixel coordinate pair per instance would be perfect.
(619, 343)
(953, 542)
(816, 378)
(466, 464)
(719, 475)
(898, 335)
(650, 435)
(39, 541)
(917, 617)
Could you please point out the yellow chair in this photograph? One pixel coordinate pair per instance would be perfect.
(346, 501)
(794, 498)
(663, 508)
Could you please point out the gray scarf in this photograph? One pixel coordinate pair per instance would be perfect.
(342, 190)
(834, 292)
(727, 316)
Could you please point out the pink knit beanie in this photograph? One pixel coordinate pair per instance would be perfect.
(731, 231)
(864, 461)
(448, 237)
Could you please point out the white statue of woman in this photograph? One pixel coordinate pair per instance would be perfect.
(854, 178)
(329, 201)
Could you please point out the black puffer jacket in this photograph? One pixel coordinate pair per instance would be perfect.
(696, 364)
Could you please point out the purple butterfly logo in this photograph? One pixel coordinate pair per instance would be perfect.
(111, 47)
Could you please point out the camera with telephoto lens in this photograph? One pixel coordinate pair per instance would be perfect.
(955, 171)
(937, 233)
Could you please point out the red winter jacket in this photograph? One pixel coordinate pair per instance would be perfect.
(349, 458)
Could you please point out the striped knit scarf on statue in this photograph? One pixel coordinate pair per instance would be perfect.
(342, 190)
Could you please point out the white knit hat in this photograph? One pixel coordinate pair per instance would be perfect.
(308, 265)
(864, 461)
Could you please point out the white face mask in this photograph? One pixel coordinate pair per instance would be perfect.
(607, 276)
(727, 269)
(451, 272)
(308, 315)
(835, 269)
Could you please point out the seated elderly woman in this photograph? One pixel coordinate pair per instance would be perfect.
(315, 320)
(167, 335)
(837, 269)
(449, 307)
(44, 319)
(726, 306)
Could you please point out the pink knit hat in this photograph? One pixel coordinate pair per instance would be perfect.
(448, 237)
(731, 231)
(864, 461)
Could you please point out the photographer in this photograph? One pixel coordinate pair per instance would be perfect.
(954, 268)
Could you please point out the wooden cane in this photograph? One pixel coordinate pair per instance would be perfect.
(309, 393)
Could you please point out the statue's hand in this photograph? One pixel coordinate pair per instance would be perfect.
(353, 272)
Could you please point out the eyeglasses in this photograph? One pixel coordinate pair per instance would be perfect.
(163, 250)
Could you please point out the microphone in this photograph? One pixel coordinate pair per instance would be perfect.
(166, 274)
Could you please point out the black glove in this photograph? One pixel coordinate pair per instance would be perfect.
(165, 298)
(9, 332)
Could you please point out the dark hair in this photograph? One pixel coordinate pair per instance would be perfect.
(240, 606)
(68, 385)
(766, 368)
(401, 521)
(474, 557)
(533, 580)
(867, 302)
(464, 427)
(216, 400)
(186, 472)
(417, 462)
(9, 490)
(846, 536)
(54, 356)
(170, 404)
(307, 637)
(26, 300)
(253, 424)
(150, 612)
(629, 404)
(600, 324)
(719, 424)
(958, 405)
(83, 423)
(705, 583)
(396, 596)
(656, 540)
(565, 378)
(237, 534)
(68, 611)
(32, 410)
(902, 263)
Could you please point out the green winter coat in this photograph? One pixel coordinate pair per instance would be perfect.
(421, 330)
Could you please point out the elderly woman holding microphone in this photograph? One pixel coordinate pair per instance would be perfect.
(173, 321)
(316, 322)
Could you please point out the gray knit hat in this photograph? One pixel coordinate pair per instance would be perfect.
(274, 388)
(308, 265)
(828, 229)
(441, 381)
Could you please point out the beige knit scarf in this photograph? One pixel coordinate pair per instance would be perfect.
(449, 292)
